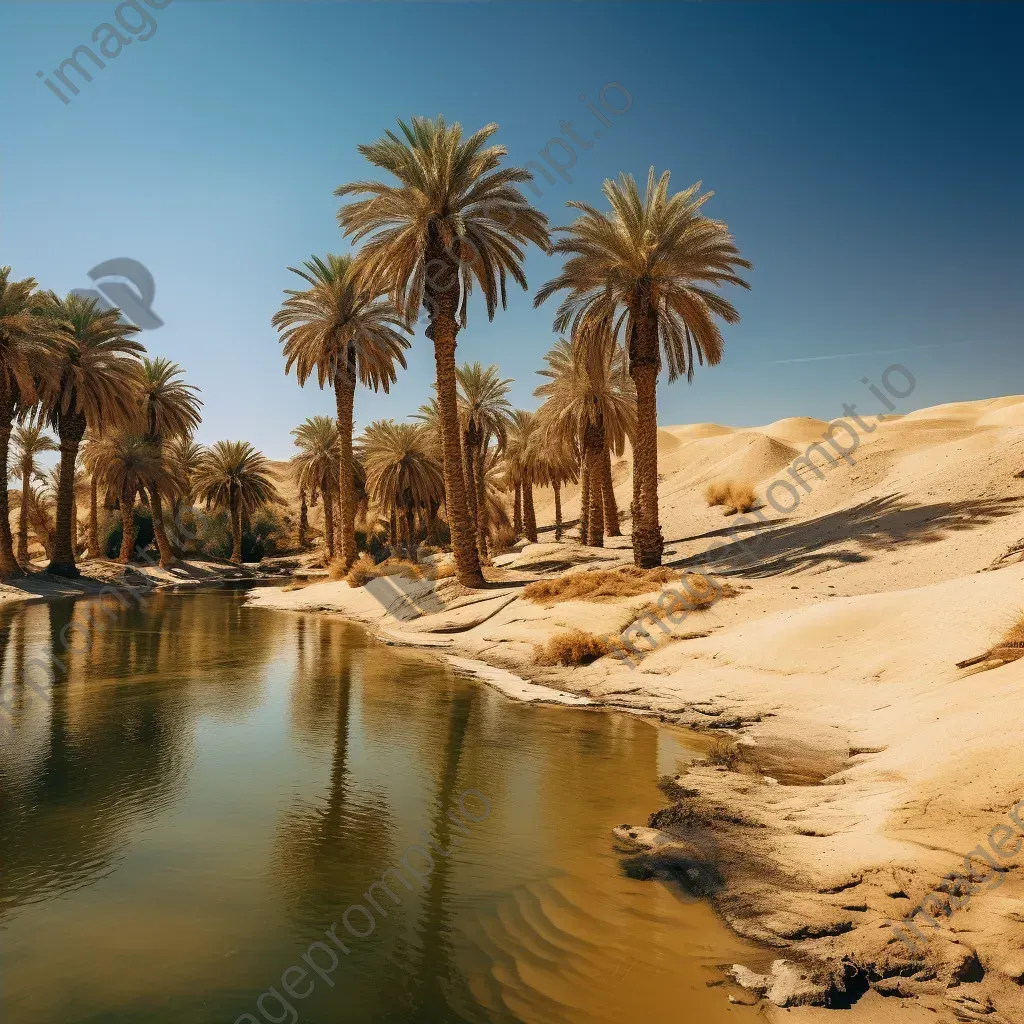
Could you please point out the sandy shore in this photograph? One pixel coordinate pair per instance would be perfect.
(99, 575)
(870, 765)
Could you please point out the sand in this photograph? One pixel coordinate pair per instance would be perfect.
(870, 764)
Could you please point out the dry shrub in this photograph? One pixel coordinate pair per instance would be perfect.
(599, 584)
(502, 539)
(363, 570)
(444, 571)
(716, 493)
(1009, 648)
(724, 753)
(575, 647)
(735, 496)
(742, 498)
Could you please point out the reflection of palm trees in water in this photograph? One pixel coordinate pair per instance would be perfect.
(108, 747)
(324, 849)
(329, 853)
(435, 979)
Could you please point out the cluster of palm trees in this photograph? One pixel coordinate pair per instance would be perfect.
(640, 286)
(123, 423)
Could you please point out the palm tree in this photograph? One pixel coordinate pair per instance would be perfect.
(186, 456)
(402, 473)
(27, 353)
(641, 272)
(453, 218)
(29, 443)
(556, 463)
(316, 467)
(347, 334)
(170, 411)
(519, 452)
(96, 385)
(126, 464)
(484, 411)
(590, 406)
(235, 476)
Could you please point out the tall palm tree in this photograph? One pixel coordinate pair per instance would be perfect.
(347, 333)
(235, 476)
(126, 464)
(402, 472)
(484, 411)
(186, 456)
(96, 385)
(519, 452)
(642, 271)
(170, 410)
(590, 406)
(453, 218)
(27, 352)
(556, 464)
(29, 443)
(316, 467)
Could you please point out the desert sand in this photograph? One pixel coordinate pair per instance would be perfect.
(870, 765)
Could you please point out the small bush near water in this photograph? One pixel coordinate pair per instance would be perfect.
(724, 754)
(575, 647)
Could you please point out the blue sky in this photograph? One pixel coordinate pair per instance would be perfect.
(868, 159)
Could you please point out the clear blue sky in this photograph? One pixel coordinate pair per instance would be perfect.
(868, 159)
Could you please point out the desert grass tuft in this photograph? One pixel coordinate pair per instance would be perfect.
(716, 493)
(724, 754)
(575, 647)
(502, 539)
(733, 495)
(363, 570)
(599, 584)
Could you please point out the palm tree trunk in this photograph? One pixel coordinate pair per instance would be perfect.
(410, 548)
(329, 524)
(480, 483)
(345, 392)
(236, 531)
(70, 430)
(584, 498)
(595, 511)
(517, 512)
(441, 302)
(611, 509)
(74, 524)
(8, 563)
(529, 515)
(127, 524)
(468, 444)
(162, 542)
(393, 530)
(557, 488)
(26, 490)
(648, 542)
(94, 526)
(303, 521)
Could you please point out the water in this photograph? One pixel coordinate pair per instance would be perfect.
(209, 788)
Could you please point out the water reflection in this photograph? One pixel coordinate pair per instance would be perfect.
(207, 788)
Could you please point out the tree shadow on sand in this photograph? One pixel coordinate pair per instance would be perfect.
(846, 536)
